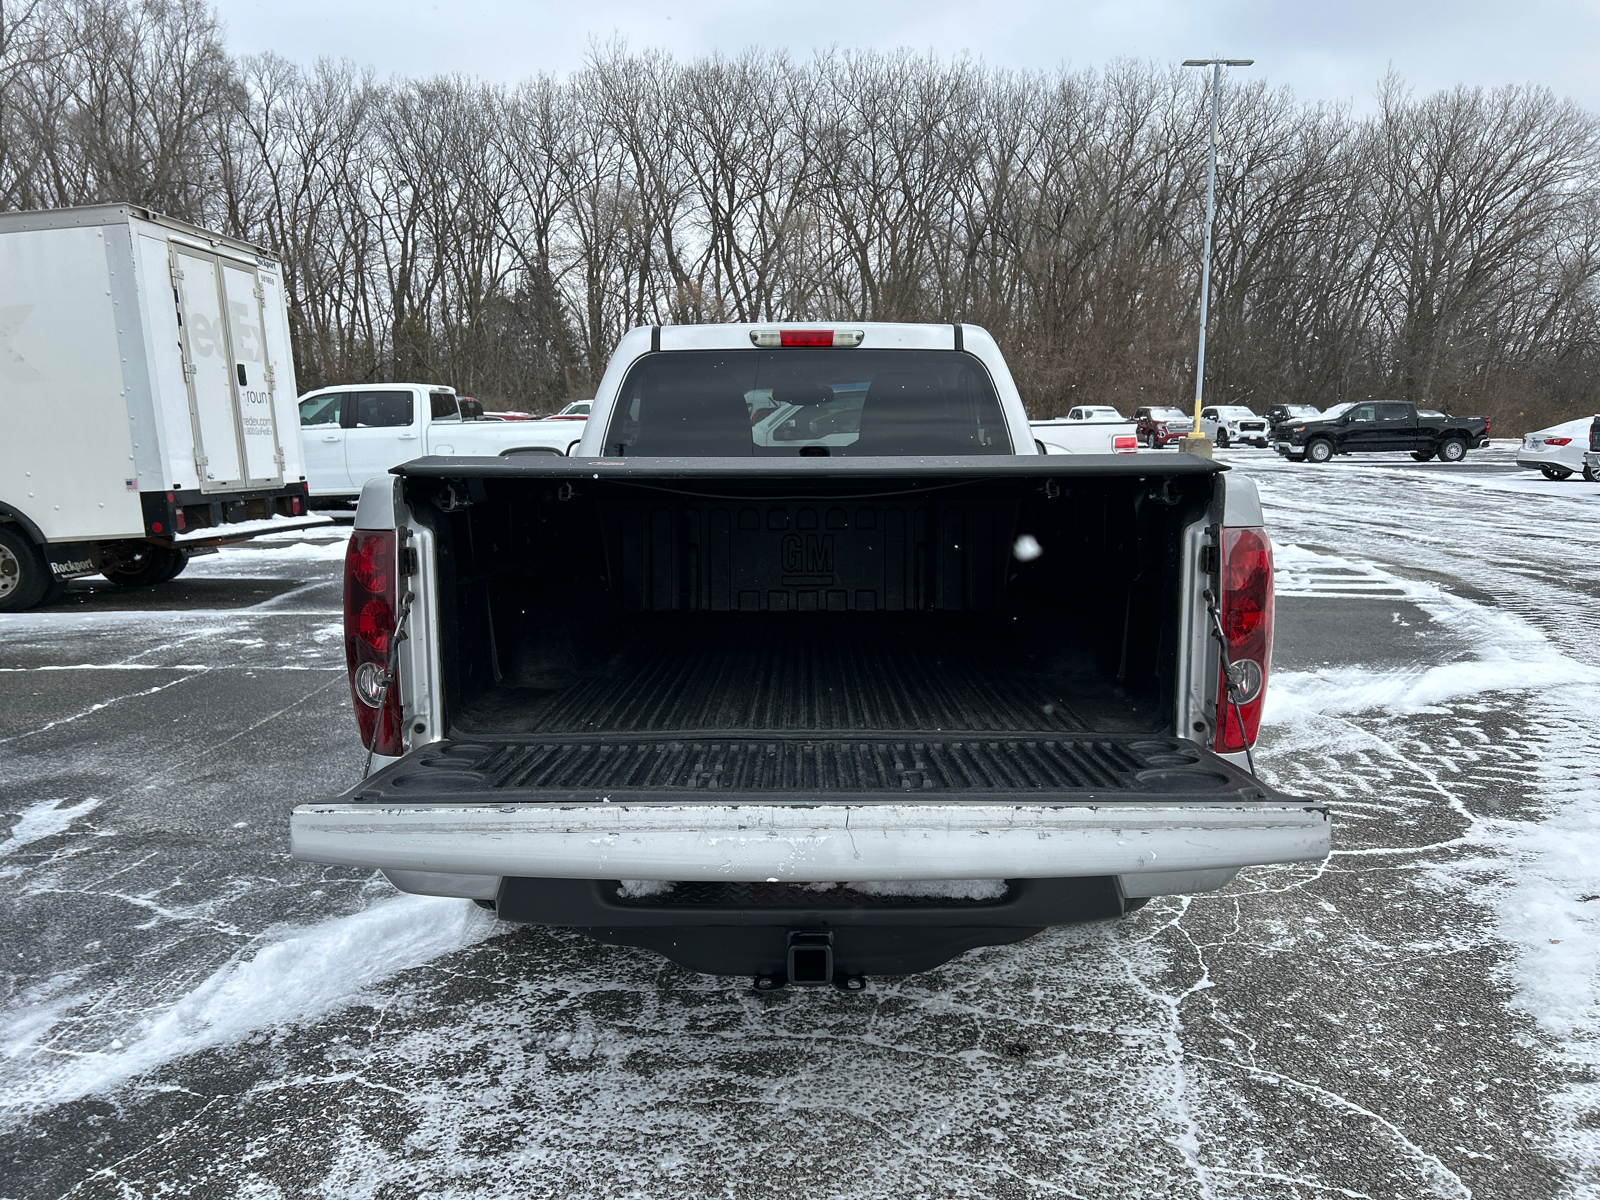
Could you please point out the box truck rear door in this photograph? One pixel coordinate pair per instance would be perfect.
(253, 384)
(208, 365)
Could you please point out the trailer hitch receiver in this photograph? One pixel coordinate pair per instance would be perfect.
(810, 958)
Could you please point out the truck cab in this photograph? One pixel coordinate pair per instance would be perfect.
(349, 435)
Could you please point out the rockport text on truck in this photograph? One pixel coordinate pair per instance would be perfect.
(844, 689)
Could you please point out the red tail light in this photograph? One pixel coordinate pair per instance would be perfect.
(369, 627)
(1558, 441)
(769, 339)
(1246, 615)
(1124, 444)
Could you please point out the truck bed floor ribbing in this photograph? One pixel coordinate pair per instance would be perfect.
(737, 675)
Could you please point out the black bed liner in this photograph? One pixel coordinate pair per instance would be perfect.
(957, 768)
(754, 470)
(753, 674)
(795, 631)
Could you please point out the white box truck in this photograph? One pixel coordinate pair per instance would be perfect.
(147, 398)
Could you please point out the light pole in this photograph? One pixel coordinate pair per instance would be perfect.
(1197, 442)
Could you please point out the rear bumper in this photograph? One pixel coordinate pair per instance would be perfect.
(818, 843)
(1533, 460)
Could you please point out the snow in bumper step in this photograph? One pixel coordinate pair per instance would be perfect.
(810, 842)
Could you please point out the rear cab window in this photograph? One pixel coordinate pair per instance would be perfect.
(442, 406)
(807, 402)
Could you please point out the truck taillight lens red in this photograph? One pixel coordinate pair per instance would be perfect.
(1124, 444)
(1246, 615)
(369, 627)
(771, 339)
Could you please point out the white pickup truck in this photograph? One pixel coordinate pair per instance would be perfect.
(1087, 429)
(809, 709)
(349, 435)
(1234, 425)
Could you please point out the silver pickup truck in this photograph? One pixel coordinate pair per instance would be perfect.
(807, 666)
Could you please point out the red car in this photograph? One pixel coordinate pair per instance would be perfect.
(1160, 427)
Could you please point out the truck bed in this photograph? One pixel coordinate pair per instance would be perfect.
(811, 675)
(659, 628)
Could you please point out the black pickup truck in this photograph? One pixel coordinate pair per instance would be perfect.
(1381, 425)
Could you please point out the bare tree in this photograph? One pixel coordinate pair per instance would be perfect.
(1445, 249)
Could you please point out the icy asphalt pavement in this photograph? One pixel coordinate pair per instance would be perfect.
(187, 1012)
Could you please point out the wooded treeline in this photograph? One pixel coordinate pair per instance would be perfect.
(501, 239)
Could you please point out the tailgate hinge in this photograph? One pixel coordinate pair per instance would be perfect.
(189, 370)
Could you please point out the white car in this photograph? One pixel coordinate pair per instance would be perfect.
(1233, 424)
(1558, 452)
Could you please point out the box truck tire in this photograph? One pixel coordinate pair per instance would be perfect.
(24, 575)
(146, 564)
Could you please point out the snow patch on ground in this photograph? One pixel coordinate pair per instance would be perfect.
(1511, 654)
(1547, 897)
(1301, 572)
(1550, 909)
(296, 976)
(45, 819)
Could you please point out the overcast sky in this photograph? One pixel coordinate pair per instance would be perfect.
(1333, 50)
